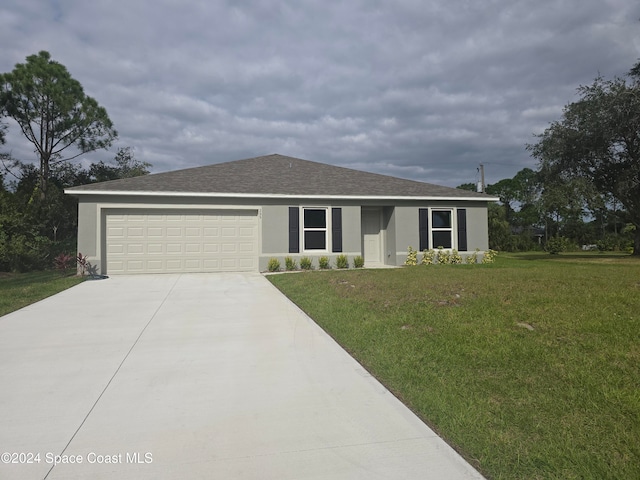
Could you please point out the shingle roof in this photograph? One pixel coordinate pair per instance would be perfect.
(277, 175)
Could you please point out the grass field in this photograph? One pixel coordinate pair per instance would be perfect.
(18, 290)
(529, 367)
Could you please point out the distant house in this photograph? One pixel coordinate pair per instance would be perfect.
(235, 216)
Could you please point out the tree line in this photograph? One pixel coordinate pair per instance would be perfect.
(37, 221)
(585, 191)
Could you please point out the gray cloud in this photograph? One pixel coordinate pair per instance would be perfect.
(419, 89)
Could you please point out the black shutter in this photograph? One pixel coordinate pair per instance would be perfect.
(423, 222)
(336, 229)
(462, 229)
(294, 230)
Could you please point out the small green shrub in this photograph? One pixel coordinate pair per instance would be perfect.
(342, 261)
(556, 245)
(444, 257)
(473, 258)
(489, 256)
(412, 257)
(456, 258)
(273, 265)
(358, 262)
(428, 256)
(323, 263)
(290, 264)
(306, 263)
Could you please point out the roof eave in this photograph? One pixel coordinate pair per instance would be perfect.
(273, 195)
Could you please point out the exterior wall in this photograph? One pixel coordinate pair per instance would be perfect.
(389, 227)
(407, 234)
(87, 231)
(399, 223)
(275, 230)
(275, 234)
(477, 228)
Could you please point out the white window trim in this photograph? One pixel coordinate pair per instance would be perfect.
(453, 229)
(327, 237)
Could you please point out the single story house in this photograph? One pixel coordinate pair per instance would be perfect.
(235, 216)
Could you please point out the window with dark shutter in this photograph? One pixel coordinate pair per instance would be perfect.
(462, 229)
(294, 230)
(423, 228)
(336, 229)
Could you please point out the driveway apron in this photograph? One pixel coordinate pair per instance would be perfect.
(196, 376)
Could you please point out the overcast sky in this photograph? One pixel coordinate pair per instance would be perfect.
(419, 89)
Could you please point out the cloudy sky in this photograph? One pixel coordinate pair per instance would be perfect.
(420, 89)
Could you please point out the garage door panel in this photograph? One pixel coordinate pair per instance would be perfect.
(174, 247)
(114, 232)
(193, 248)
(211, 264)
(155, 265)
(211, 248)
(134, 248)
(135, 232)
(115, 248)
(161, 241)
(135, 266)
(155, 248)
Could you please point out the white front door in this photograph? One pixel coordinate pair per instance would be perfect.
(371, 237)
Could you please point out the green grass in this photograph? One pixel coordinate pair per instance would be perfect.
(529, 367)
(18, 290)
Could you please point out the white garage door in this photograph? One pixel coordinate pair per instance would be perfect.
(148, 241)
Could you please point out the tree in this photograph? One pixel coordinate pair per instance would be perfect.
(468, 186)
(127, 166)
(597, 140)
(53, 113)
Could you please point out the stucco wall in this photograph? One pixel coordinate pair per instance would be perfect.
(275, 234)
(399, 223)
(87, 231)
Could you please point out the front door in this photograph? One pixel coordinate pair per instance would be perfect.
(371, 238)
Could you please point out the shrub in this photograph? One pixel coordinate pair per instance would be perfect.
(412, 257)
(290, 264)
(273, 265)
(455, 257)
(323, 263)
(473, 258)
(489, 256)
(358, 262)
(306, 263)
(556, 245)
(444, 257)
(64, 262)
(428, 256)
(342, 261)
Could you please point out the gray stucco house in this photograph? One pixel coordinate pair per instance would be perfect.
(235, 216)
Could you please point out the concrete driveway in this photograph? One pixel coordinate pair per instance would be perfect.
(212, 376)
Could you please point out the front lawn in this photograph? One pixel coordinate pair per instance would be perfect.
(530, 367)
(18, 290)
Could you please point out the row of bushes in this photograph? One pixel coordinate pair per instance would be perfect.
(306, 263)
(555, 245)
(446, 257)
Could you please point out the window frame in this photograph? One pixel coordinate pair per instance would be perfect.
(326, 229)
(451, 229)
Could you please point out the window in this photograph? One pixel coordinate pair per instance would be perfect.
(314, 229)
(436, 228)
(441, 229)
